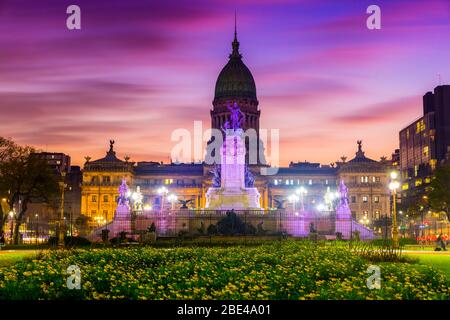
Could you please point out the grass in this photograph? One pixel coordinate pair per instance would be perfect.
(9, 257)
(438, 261)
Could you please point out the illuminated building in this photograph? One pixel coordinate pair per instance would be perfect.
(189, 181)
(367, 181)
(424, 145)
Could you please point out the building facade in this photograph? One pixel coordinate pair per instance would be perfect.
(424, 145)
(367, 181)
(366, 178)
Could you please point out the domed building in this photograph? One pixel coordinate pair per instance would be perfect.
(235, 83)
(190, 181)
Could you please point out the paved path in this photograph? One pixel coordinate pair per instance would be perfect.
(426, 252)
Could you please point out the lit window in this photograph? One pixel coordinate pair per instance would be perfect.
(376, 199)
(275, 182)
(365, 199)
(433, 163)
(310, 181)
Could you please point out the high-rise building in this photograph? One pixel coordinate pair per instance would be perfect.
(424, 144)
(60, 162)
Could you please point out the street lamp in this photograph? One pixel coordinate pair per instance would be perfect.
(393, 186)
(163, 192)
(172, 198)
(302, 192)
(137, 199)
(62, 185)
(37, 228)
(329, 198)
(11, 216)
(293, 198)
(364, 220)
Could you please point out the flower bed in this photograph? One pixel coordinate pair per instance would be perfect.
(287, 270)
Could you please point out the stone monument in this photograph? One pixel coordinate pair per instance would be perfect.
(234, 191)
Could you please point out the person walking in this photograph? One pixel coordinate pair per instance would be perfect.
(2, 239)
(440, 242)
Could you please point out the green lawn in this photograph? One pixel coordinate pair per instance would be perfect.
(11, 256)
(438, 261)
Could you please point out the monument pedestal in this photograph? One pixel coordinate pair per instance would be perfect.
(233, 193)
(227, 199)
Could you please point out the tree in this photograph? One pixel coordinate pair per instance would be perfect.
(440, 191)
(24, 178)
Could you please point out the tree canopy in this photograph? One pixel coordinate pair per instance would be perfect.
(440, 190)
(24, 178)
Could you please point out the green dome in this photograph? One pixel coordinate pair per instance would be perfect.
(235, 80)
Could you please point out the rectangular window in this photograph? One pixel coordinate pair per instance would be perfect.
(275, 182)
(310, 182)
(353, 199)
(376, 199)
(94, 198)
(365, 199)
(105, 199)
(106, 179)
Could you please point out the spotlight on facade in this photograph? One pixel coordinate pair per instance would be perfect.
(147, 207)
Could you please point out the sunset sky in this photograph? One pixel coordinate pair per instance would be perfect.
(140, 69)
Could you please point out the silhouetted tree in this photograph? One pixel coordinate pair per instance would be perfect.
(440, 191)
(25, 178)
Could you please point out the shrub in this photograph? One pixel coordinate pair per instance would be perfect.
(70, 241)
(232, 224)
